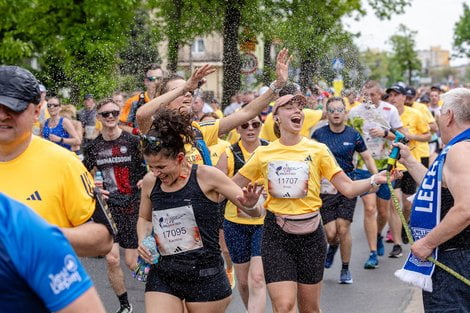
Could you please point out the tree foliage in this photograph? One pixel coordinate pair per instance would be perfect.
(462, 32)
(405, 57)
(78, 40)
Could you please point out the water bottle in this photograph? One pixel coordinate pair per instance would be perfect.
(151, 245)
(99, 179)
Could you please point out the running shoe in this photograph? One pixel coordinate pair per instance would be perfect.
(231, 278)
(372, 262)
(380, 245)
(345, 277)
(125, 309)
(330, 255)
(396, 252)
(389, 236)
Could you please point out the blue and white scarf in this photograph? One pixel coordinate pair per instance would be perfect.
(425, 215)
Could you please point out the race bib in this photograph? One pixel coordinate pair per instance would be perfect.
(89, 132)
(176, 230)
(327, 188)
(288, 179)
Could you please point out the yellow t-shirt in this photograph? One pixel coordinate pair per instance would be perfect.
(292, 174)
(217, 150)
(311, 118)
(219, 113)
(423, 147)
(210, 134)
(233, 136)
(232, 213)
(414, 122)
(52, 181)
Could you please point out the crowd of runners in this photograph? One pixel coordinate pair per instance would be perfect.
(258, 196)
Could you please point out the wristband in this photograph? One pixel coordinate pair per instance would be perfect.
(385, 133)
(274, 89)
(373, 184)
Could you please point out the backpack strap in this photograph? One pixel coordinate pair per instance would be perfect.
(201, 146)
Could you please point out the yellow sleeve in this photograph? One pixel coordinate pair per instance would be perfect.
(312, 117)
(78, 199)
(328, 165)
(230, 162)
(252, 168)
(267, 131)
(210, 131)
(219, 113)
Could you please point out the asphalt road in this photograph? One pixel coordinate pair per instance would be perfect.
(373, 291)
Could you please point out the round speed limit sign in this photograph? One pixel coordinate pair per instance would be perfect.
(249, 63)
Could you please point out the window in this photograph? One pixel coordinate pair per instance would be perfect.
(198, 46)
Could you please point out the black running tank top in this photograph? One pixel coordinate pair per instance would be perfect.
(206, 216)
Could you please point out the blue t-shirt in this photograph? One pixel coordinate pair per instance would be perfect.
(342, 145)
(39, 271)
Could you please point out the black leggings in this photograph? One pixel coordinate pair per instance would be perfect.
(287, 257)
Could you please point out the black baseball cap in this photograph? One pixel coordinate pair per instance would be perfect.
(436, 87)
(18, 88)
(397, 88)
(410, 91)
(88, 96)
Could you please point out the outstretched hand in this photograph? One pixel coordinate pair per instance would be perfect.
(251, 193)
(282, 66)
(381, 178)
(198, 76)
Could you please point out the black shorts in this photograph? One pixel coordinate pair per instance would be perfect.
(127, 228)
(407, 184)
(187, 283)
(287, 257)
(337, 206)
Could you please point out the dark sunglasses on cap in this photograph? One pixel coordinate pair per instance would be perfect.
(154, 78)
(53, 105)
(253, 124)
(155, 143)
(107, 114)
(339, 110)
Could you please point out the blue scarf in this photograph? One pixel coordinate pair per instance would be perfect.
(425, 215)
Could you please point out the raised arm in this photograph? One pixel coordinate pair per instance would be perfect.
(144, 113)
(256, 106)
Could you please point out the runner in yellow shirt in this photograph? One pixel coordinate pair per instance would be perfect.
(293, 245)
(242, 232)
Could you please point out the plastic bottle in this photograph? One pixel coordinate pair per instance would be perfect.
(99, 179)
(151, 245)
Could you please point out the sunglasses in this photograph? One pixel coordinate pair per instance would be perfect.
(154, 78)
(154, 142)
(109, 113)
(255, 125)
(339, 110)
(53, 105)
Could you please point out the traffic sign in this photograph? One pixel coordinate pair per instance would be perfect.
(249, 63)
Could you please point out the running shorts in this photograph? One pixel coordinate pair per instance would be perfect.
(243, 241)
(337, 206)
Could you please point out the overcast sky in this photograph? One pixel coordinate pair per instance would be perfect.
(433, 19)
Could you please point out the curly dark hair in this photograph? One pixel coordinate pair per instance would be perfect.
(170, 131)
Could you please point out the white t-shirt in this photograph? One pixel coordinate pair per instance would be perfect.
(365, 117)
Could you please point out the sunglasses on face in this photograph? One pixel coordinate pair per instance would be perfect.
(109, 113)
(53, 105)
(255, 125)
(339, 110)
(154, 78)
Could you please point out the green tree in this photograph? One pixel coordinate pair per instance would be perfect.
(75, 41)
(462, 32)
(404, 57)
